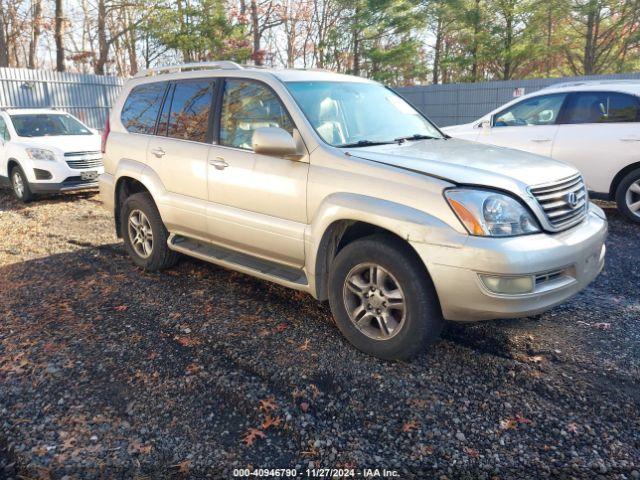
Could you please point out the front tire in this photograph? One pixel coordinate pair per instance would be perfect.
(20, 185)
(144, 234)
(383, 299)
(628, 195)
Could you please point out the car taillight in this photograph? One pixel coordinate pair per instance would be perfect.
(105, 135)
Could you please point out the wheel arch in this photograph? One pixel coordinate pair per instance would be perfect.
(125, 187)
(349, 217)
(11, 163)
(619, 176)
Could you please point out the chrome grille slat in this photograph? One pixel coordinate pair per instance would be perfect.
(80, 154)
(554, 200)
(85, 163)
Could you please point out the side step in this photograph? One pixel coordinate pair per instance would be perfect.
(258, 267)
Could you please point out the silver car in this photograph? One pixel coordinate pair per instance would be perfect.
(334, 185)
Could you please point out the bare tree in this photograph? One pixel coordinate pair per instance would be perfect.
(59, 36)
(36, 30)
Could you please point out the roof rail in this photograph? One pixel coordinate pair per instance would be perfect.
(577, 83)
(222, 65)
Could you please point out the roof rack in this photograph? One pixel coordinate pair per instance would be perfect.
(577, 83)
(184, 67)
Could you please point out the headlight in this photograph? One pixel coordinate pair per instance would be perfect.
(41, 154)
(491, 214)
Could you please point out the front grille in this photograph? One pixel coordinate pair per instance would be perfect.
(549, 276)
(82, 154)
(555, 199)
(85, 163)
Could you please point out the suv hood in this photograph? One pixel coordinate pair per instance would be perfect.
(63, 143)
(464, 162)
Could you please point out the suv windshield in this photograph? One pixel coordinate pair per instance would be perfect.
(46, 124)
(359, 114)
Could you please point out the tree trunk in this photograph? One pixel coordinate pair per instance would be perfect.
(474, 47)
(131, 46)
(59, 36)
(508, 40)
(103, 46)
(436, 51)
(356, 42)
(590, 43)
(255, 29)
(4, 50)
(36, 18)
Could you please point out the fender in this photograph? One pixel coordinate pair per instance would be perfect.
(412, 225)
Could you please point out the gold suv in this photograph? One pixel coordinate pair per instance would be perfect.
(336, 186)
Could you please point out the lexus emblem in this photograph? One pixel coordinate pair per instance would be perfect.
(572, 199)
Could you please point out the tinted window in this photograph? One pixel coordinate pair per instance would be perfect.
(190, 108)
(601, 107)
(45, 125)
(4, 133)
(542, 110)
(246, 106)
(140, 111)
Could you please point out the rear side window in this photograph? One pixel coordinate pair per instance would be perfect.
(188, 116)
(141, 108)
(601, 107)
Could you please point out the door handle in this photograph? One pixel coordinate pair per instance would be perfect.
(630, 139)
(158, 152)
(540, 140)
(219, 163)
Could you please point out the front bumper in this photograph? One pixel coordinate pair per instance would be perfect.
(61, 177)
(578, 254)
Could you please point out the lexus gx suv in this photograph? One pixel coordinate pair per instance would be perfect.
(336, 186)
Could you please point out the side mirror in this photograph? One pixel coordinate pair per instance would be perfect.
(486, 124)
(276, 142)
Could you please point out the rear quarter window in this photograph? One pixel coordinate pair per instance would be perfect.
(141, 108)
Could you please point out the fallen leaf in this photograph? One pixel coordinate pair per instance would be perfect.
(121, 308)
(472, 452)
(139, 447)
(268, 404)
(536, 359)
(183, 467)
(187, 341)
(572, 427)
(520, 419)
(269, 421)
(304, 406)
(251, 436)
(410, 426)
(281, 327)
(509, 424)
(305, 346)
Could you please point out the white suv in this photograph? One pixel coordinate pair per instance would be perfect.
(334, 185)
(47, 151)
(593, 125)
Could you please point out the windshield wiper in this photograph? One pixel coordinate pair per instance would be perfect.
(417, 136)
(363, 143)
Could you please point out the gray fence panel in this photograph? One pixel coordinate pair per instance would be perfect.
(88, 97)
(455, 103)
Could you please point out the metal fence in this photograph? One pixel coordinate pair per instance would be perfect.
(455, 103)
(88, 97)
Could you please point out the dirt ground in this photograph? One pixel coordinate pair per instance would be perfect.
(110, 372)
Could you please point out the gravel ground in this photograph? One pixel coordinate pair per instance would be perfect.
(110, 372)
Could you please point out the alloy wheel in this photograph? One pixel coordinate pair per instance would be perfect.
(374, 301)
(632, 198)
(140, 233)
(18, 184)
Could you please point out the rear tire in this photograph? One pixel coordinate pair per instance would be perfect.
(20, 185)
(628, 196)
(395, 315)
(144, 234)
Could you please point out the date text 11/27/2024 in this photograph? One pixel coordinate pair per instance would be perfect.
(316, 473)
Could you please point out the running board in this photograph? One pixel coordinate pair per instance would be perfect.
(241, 262)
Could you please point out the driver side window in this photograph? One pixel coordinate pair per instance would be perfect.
(541, 110)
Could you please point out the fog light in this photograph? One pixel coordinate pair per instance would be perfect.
(509, 285)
